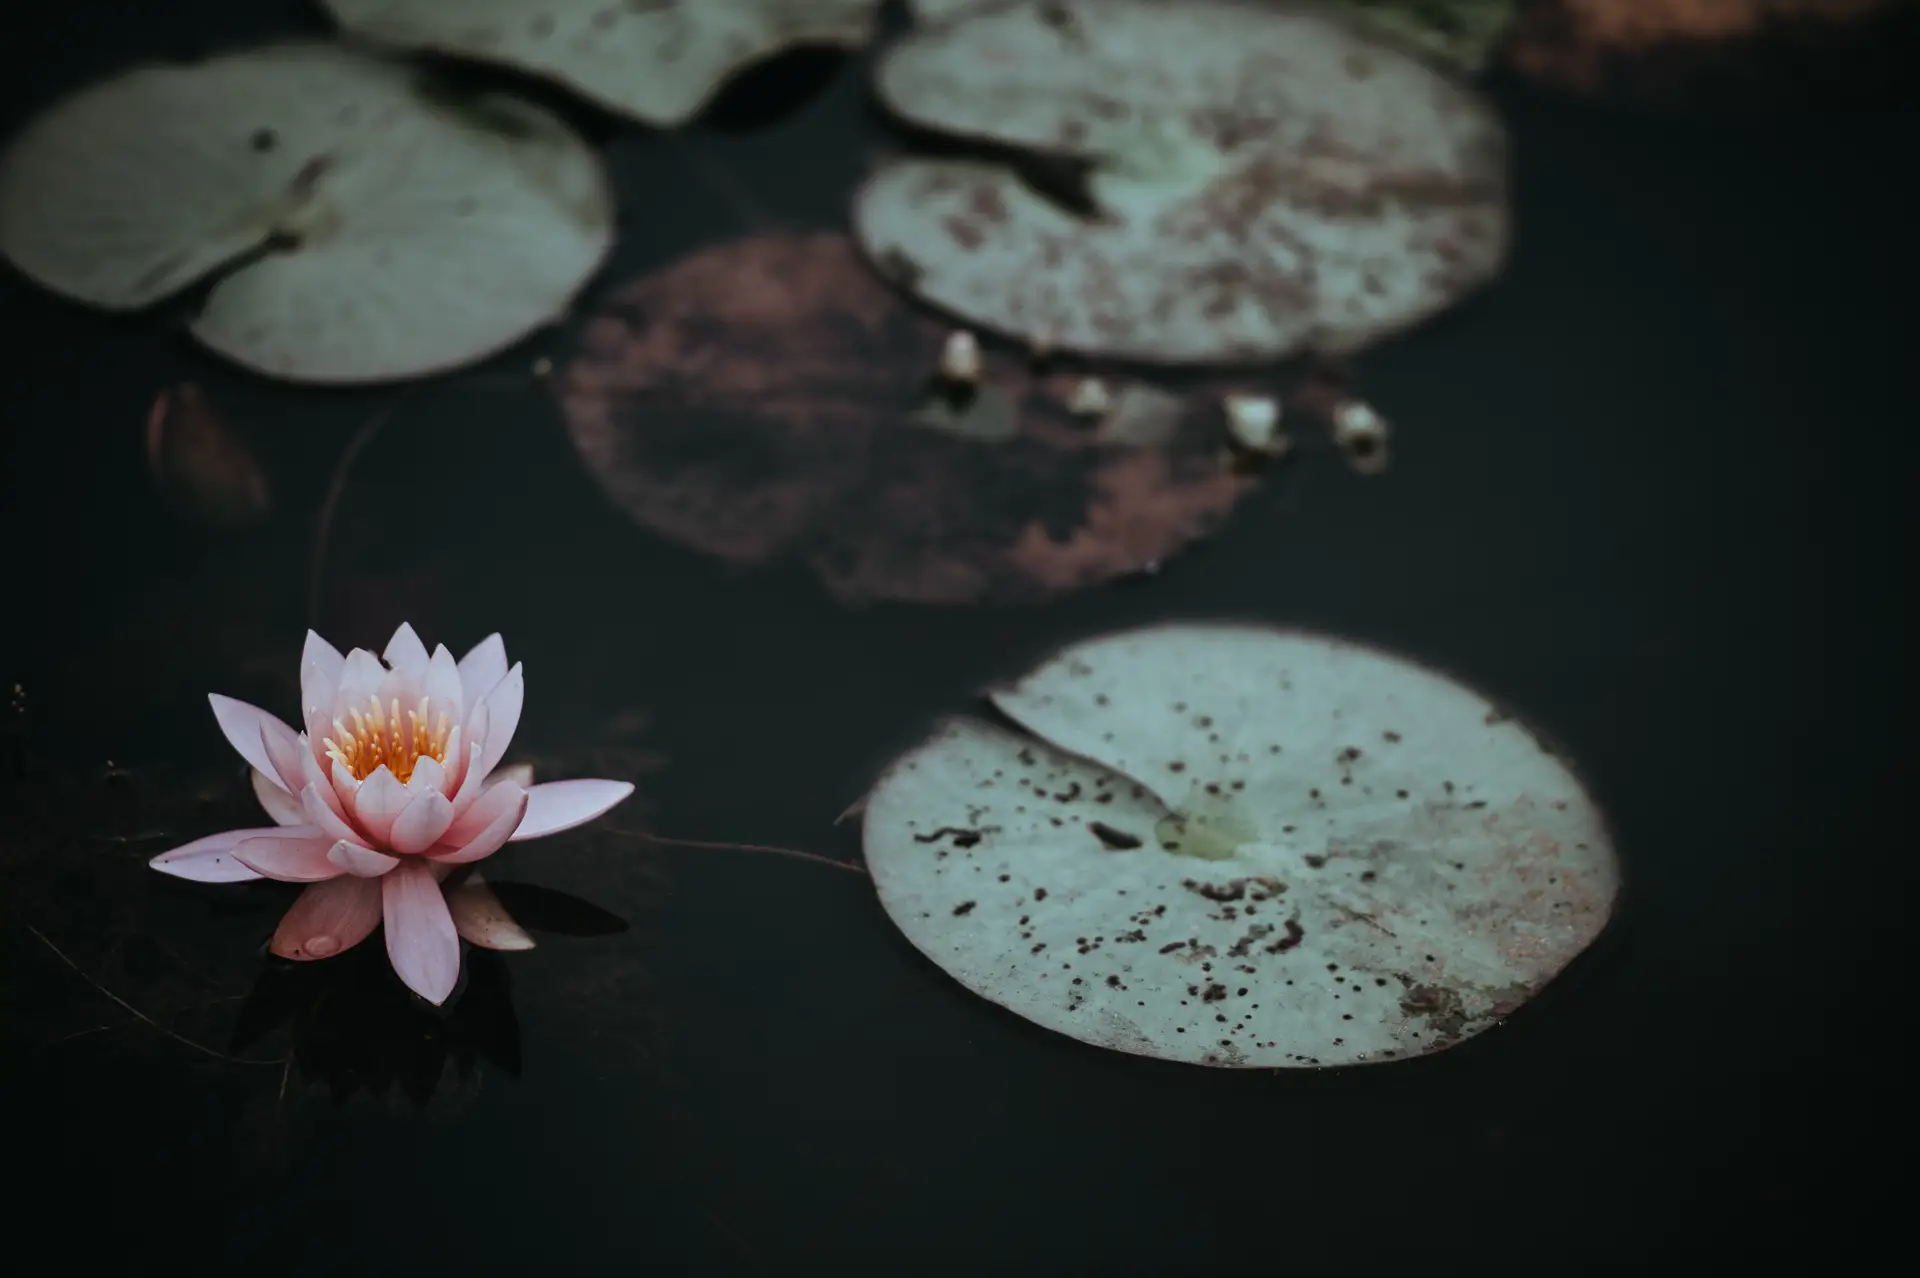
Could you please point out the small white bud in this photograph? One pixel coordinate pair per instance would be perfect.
(960, 357)
(1362, 433)
(1254, 422)
(1090, 398)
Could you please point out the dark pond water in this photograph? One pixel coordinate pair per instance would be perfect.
(1647, 490)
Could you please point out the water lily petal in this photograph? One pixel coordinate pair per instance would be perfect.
(343, 783)
(324, 816)
(503, 716)
(285, 750)
(284, 808)
(428, 774)
(421, 940)
(562, 805)
(400, 691)
(442, 688)
(361, 862)
(210, 860)
(484, 828)
(329, 918)
(316, 777)
(482, 920)
(246, 727)
(421, 823)
(521, 774)
(320, 667)
(324, 658)
(292, 854)
(406, 654)
(360, 681)
(378, 800)
(483, 668)
(466, 780)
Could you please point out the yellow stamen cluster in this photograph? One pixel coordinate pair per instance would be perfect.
(383, 736)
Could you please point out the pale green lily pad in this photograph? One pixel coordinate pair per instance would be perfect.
(659, 61)
(1459, 33)
(365, 224)
(1236, 846)
(1268, 179)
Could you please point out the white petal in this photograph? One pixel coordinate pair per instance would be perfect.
(562, 805)
(283, 807)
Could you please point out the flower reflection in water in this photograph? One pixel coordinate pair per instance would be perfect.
(355, 1031)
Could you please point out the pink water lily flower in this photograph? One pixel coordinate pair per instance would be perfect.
(391, 789)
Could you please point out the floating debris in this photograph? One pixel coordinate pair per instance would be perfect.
(1090, 398)
(960, 357)
(1254, 423)
(1362, 434)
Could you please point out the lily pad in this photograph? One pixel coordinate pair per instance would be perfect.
(1267, 179)
(370, 226)
(771, 397)
(1463, 34)
(659, 61)
(930, 11)
(1236, 846)
(1460, 33)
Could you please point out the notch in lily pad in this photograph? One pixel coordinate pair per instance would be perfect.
(1238, 846)
(658, 61)
(1267, 180)
(359, 222)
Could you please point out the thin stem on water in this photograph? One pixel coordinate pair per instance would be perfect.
(136, 1012)
(704, 845)
(330, 504)
(726, 185)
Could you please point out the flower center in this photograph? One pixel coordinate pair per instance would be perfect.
(382, 736)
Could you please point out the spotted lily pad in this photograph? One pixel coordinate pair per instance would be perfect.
(659, 61)
(365, 224)
(771, 397)
(1267, 179)
(1236, 846)
(1461, 33)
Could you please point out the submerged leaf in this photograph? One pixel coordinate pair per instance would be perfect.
(370, 226)
(1264, 180)
(1243, 847)
(757, 401)
(659, 61)
(201, 463)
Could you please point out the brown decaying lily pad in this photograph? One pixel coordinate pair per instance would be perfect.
(755, 401)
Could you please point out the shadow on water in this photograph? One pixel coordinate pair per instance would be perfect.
(355, 1030)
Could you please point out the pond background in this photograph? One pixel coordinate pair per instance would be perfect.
(1647, 490)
